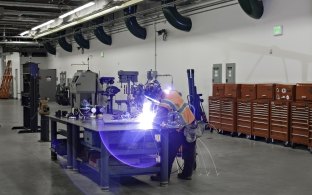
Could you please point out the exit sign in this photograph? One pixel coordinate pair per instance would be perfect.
(278, 30)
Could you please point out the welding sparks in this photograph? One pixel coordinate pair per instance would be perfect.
(147, 116)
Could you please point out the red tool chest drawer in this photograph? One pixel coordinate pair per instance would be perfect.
(304, 91)
(228, 115)
(232, 90)
(244, 113)
(279, 121)
(299, 131)
(214, 112)
(217, 89)
(285, 92)
(248, 91)
(261, 118)
(265, 91)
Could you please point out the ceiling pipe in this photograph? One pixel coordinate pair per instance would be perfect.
(132, 23)
(34, 5)
(100, 33)
(175, 18)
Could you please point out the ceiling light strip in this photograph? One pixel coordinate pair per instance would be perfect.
(77, 9)
(24, 33)
(42, 25)
(88, 18)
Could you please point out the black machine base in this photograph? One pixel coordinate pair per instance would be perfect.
(26, 130)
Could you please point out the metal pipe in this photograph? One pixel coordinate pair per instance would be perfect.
(34, 5)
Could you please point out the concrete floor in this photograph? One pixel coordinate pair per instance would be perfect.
(226, 165)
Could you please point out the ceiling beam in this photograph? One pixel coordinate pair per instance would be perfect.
(30, 13)
(35, 5)
(21, 19)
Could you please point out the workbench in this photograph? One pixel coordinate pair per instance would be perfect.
(98, 127)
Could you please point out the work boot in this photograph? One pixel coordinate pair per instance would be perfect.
(184, 177)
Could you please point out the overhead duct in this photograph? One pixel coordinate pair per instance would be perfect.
(64, 44)
(80, 40)
(253, 8)
(100, 33)
(132, 23)
(175, 18)
(50, 48)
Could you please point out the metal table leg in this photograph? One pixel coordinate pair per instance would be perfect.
(104, 169)
(164, 157)
(69, 147)
(44, 133)
(53, 138)
(75, 140)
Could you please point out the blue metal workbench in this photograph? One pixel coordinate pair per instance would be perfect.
(112, 134)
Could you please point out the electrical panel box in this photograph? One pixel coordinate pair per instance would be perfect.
(304, 91)
(284, 92)
(230, 72)
(232, 90)
(217, 73)
(266, 91)
(248, 91)
(218, 90)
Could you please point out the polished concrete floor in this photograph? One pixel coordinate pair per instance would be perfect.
(226, 165)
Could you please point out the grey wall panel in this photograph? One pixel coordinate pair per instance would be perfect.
(47, 83)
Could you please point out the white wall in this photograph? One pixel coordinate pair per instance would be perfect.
(219, 36)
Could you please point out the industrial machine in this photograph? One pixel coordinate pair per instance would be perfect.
(108, 91)
(84, 86)
(128, 78)
(30, 98)
(62, 91)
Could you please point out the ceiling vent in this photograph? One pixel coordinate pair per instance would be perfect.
(80, 40)
(50, 48)
(64, 44)
(100, 33)
(253, 8)
(175, 18)
(132, 23)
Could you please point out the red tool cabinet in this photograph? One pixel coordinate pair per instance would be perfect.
(214, 112)
(279, 121)
(299, 131)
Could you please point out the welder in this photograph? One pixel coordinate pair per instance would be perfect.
(171, 101)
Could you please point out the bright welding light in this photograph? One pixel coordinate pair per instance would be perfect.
(167, 91)
(147, 116)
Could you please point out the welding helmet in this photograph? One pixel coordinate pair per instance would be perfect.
(152, 89)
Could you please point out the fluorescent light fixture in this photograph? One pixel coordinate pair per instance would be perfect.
(24, 33)
(44, 24)
(88, 18)
(77, 9)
